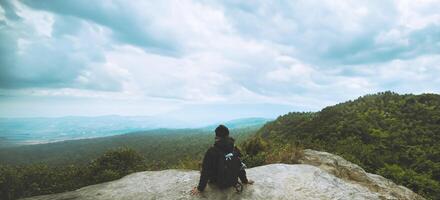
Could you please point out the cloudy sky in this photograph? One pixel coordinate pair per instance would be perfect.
(211, 59)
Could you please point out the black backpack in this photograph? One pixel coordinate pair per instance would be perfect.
(228, 168)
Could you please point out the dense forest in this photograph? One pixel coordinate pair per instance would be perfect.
(62, 166)
(157, 146)
(396, 136)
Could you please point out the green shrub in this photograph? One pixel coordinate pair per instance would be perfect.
(254, 145)
(115, 164)
(10, 183)
(39, 179)
(106, 175)
(289, 154)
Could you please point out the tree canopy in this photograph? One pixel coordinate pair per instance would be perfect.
(393, 135)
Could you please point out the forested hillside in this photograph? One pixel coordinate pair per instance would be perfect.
(393, 135)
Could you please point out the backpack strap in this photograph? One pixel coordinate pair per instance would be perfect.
(227, 156)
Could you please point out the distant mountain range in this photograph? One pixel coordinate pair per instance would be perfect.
(241, 123)
(23, 131)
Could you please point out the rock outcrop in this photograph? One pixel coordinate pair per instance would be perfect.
(320, 176)
(350, 172)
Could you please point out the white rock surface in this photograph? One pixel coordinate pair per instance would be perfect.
(324, 177)
(350, 172)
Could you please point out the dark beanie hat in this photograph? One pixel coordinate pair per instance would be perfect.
(222, 131)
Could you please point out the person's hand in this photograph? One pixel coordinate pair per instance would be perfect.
(195, 191)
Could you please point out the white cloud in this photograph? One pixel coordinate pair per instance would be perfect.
(293, 71)
(304, 53)
(417, 14)
(40, 21)
(2, 14)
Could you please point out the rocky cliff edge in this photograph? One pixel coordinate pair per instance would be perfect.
(320, 175)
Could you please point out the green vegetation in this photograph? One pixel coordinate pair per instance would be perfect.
(162, 148)
(260, 151)
(396, 136)
(58, 167)
(36, 179)
(393, 135)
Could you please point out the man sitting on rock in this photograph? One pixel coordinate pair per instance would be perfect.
(223, 149)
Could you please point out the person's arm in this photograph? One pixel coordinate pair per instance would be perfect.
(237, 150)
(242, 176)
(204, 175)
(242, 173)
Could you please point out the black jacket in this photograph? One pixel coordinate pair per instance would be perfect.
(209, 166)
